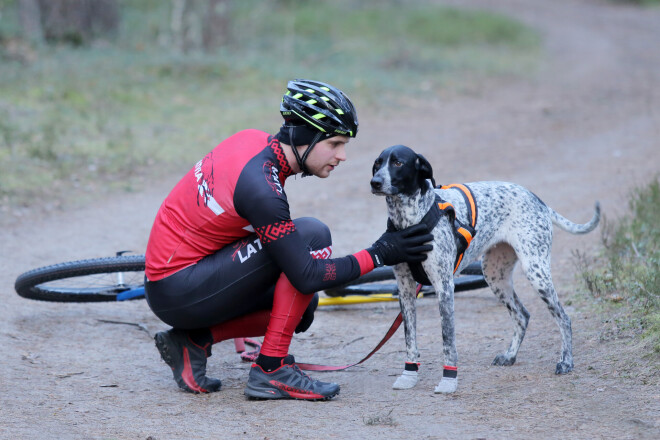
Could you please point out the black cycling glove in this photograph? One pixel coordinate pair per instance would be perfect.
(404, 246)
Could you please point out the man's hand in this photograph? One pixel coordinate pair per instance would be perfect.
(406, 246)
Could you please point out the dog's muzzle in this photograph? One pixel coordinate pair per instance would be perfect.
(378, 186)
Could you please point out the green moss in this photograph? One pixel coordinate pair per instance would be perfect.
(628, 272)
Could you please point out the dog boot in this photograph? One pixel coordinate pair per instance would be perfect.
(447, 385)
(409, 378)
(406, 381)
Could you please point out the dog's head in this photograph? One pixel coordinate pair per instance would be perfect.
(399, 170)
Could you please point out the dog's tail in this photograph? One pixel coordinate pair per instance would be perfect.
(575, 228)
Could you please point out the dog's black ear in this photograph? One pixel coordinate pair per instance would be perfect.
(424, 171)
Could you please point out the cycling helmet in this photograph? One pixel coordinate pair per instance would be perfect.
(320, 106)
(312, 111)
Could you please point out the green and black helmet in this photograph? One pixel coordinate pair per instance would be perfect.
(314, 111)
(321, 106)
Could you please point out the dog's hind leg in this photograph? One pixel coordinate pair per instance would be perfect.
(407, 296)
(537, 269)
(498, 264)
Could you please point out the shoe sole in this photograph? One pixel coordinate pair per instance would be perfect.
(253, 393)
(163, 345)
(163, 348)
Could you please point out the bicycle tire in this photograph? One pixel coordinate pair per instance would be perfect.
(473, 268)
(71, 281)
(470, 278)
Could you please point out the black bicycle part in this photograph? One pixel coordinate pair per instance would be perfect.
(122, 278)
(470, 278)
(93, 280)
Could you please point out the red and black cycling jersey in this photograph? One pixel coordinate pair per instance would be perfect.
(234, 191)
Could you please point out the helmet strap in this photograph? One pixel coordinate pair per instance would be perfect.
(301, 160)
(307, 151)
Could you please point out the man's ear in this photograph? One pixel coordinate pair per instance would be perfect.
(424, 171)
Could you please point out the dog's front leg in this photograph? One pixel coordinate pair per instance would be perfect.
(439, 267)
(407, 295)
(445, 292)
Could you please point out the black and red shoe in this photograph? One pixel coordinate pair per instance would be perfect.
(287, 382)
(187, 360)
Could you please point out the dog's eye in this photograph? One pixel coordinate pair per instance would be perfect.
(397, 163)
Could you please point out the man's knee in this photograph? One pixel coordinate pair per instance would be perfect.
(308, 316)
(316, 234)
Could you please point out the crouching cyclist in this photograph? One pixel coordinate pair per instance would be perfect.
(225, 260)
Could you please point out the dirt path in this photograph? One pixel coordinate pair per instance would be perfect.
(586, 128)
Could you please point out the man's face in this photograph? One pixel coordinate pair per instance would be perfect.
(326, 155)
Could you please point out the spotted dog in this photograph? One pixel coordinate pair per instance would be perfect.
(512, 225)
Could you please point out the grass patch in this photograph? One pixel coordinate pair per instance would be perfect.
(380, 420)
(625, 279)
(116, 113)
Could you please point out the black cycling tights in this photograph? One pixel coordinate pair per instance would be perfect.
(235, 281)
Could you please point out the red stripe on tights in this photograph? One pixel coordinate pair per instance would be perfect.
(288, 307)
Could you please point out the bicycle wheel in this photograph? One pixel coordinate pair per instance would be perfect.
(99, 279)
(374, 282)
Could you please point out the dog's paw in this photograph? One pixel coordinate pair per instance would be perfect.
(563, 368)
(504, 360)
(447, 385)
(406, 381)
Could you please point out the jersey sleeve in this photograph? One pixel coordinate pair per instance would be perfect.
(267, 210)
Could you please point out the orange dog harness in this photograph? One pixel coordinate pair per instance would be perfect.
(463, 233)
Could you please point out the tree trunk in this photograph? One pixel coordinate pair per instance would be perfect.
(30, 19)
(200, 24)
(79, 21)
(216, 24)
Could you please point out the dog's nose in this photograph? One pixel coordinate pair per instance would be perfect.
(376, 183)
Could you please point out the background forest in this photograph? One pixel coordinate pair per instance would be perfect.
(97, 93)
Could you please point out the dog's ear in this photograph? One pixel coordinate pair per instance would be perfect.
(424, 171)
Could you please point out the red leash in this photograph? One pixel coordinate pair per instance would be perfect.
(251, 356)
(247, 356)
(393, 328)
(388, 335)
